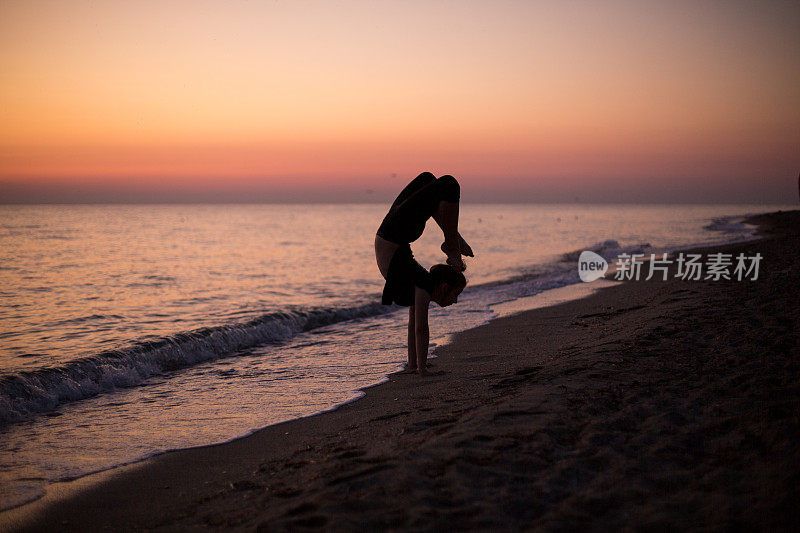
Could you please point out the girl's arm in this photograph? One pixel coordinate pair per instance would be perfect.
(421, 334)
(412, 340)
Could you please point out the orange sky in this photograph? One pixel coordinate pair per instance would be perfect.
(541, 100)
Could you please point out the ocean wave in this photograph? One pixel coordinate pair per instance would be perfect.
(731, 224)
(28, 393)
(608, 250)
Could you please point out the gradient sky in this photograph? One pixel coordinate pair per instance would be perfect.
(272, 100)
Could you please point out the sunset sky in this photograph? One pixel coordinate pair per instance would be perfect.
(684, 101)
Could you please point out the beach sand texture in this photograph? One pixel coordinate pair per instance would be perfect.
(649, 405)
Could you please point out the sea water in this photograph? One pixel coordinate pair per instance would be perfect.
(129, 330)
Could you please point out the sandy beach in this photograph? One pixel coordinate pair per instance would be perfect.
(648, 405)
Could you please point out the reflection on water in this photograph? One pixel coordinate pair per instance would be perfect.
(81, 279)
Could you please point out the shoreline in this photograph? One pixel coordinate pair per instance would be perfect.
(60, 490)
(299, 472)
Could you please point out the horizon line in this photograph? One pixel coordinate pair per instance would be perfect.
(334, 202)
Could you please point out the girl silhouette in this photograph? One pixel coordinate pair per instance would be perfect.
(407, 282)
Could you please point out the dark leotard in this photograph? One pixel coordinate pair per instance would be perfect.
(404, 223)
(405, 274)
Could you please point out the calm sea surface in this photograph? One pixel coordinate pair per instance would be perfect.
(126, 331)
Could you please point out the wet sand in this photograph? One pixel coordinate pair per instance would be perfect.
(649, 405)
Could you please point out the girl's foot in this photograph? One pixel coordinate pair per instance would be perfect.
(453, 251)
(466, 249)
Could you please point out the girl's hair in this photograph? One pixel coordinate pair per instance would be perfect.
(447, 274)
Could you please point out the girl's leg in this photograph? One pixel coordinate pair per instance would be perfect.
(448, 191)
(446, 216)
